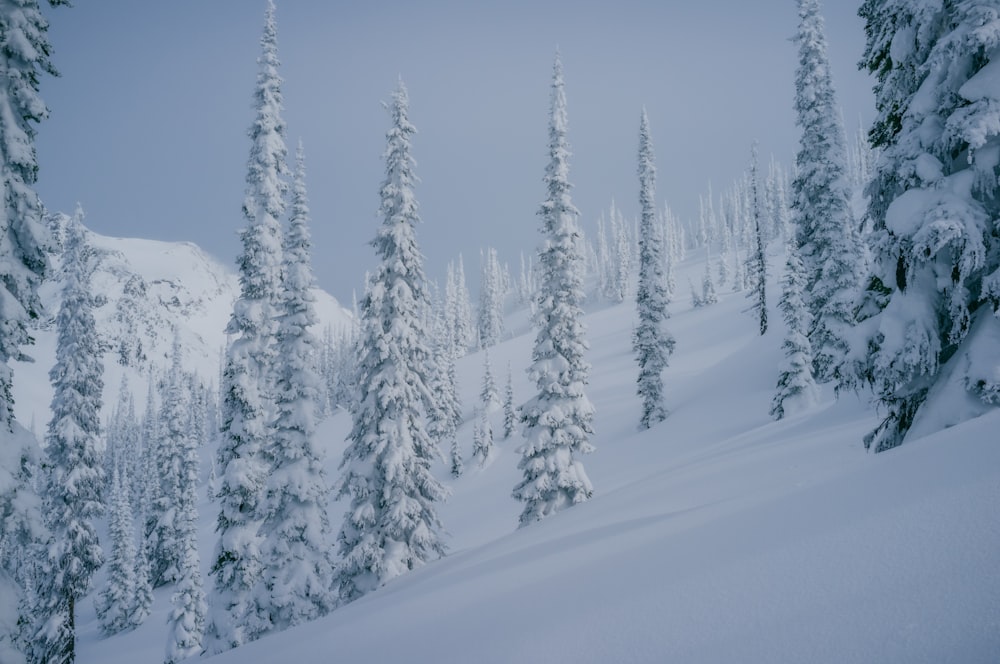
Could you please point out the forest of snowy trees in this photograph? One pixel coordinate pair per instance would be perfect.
(888, 248)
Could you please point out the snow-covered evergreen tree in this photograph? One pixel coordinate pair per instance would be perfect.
(115, 604)
(708, 294)
(489, 395)
(298, 570)
(623, 256)
(509, 412)
(491, 297)
(392, 524)
(75, 476)
(796, 387)
(248, 410)
(557, 420)
(186, 621)
(460, 309)
(24, 58)
(482, 438)
(821, 207)
(653, 344)
(757, 261)
(927, 341)
(174, 436)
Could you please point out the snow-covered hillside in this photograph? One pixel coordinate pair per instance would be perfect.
(144, 291)
(716, 536)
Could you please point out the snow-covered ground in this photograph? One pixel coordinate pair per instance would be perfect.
(717, 536)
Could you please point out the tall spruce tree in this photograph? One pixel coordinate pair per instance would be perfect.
(392, 524)
(186, 621)
(557, 420)
(24, 58)
(75, 476)
(173, 437)
(828, 243)
(298, 571)
(235, 616)
(927, 340)
(757, 261)
(652, 343)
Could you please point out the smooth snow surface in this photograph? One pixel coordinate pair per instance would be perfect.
(716, 536)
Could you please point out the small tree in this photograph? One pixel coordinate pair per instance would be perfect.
(482, 438)
(116, 604)
(509, 412)
(796, 387)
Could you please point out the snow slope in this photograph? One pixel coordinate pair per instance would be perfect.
(717, 536)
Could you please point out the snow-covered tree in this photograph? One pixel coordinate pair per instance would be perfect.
(75, 476)
(482, 437)
(459, 309)
(186, 621)
(24, 58)
(821, 207)
(116, 604)
(796, 387)
(392, 524)
(653, 344)
(509, 411)
(757, 261)
(298, 570)
(248, 410)
(489, 395)
(165, 550)
(491, 298)
(623, 256)
(557, 420)
(927, 338)
(708, 294)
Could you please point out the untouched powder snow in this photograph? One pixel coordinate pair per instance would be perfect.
(718, 535)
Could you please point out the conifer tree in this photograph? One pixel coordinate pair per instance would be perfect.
(927, 339)
(248, 410)
(491, 294)
(482, 438)
(489, 395)
(298, 571)
(557, 420)
(116, 604)
(75, 477)
(757, 263)
(392, 524)
(509, 412)
(653, 344)
(24, 58)
(796, 388)
(821, 200)
(174, 436)
(708, 294)
(186, 621)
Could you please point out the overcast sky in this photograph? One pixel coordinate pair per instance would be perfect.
(148, 126)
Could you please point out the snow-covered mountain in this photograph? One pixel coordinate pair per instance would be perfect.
(144, 292)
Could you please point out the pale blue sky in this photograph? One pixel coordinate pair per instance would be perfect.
(149, 119)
